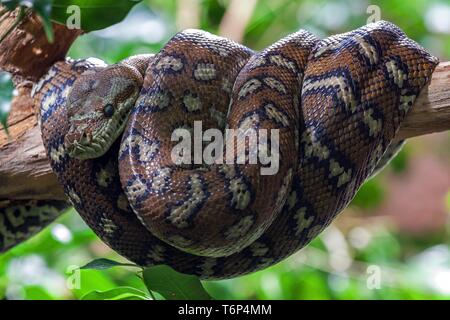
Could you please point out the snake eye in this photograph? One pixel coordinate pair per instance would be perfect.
(108, 110)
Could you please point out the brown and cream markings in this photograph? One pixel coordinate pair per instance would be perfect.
(337, 104)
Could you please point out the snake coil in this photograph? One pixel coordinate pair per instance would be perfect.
(337, 104)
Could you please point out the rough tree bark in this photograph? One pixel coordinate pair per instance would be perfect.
(24, 169)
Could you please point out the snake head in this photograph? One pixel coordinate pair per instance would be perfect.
(98, 106)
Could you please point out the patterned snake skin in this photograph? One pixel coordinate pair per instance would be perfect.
(19, 220)
(337, 104)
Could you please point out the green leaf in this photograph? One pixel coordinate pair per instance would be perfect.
(43, 8)
(119, 293)
(103, 264)
(94, 14)
(6, 89)
(89, 15)
(11, 4)
(35, 292)
(173, 285)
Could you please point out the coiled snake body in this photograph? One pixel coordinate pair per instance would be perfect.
(337, 104)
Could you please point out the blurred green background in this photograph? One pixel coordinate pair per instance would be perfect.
(391, 243)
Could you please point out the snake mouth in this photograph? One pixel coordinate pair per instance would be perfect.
(84, 149)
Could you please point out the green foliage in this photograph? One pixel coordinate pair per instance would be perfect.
(119, 293)
(6, 89)
(103, 264)
(173, 285)
(163, 280)
(95, 14)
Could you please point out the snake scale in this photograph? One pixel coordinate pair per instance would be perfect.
(336, 103)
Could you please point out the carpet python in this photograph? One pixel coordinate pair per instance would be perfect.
(337, 104)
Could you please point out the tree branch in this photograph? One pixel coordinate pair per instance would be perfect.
(431, 111)
(25, 172)
(24, 169)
